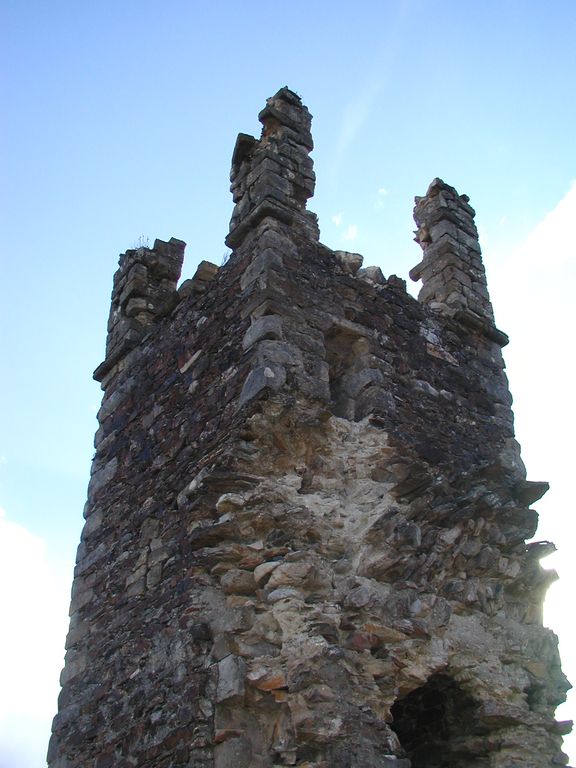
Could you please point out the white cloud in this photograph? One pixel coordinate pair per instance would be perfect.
(351, 232)
(337, 219)
(382, 194)
(532, 291)
(34, 597)
(532, 287)
(552, 241)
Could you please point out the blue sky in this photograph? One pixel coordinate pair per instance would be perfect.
(118, 122)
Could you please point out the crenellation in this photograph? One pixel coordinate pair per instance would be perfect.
(274, 176)
(203, 277)
(144, 290)
(305, 538)
(452, 273)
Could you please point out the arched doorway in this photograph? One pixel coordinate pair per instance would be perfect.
(437, 727)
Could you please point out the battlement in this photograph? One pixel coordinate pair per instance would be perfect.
(144, 290)
(274, 176)
(305, 537)
(452, 272)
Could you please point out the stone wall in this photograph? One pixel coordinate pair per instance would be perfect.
(306, 522)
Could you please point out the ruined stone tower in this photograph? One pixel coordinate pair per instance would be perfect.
(306, 522)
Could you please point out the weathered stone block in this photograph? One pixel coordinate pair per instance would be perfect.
(231, 675)
(266, 327)
(233, 753)
(272, 377)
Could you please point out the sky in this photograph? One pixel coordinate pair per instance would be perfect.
(118, 121)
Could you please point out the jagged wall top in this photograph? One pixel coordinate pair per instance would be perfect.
(274, 176)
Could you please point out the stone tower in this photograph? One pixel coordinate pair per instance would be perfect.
(305, 537)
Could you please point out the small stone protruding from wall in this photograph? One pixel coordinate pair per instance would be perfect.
(350, 262)
(144, 289)
(274, 176)
(452, 272)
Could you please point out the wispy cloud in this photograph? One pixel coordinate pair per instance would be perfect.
(355, 115)
(359, 109)
(351, 232)
(382, 194)
(337, 219)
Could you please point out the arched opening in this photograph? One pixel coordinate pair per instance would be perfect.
(437, 727)
(344, 354)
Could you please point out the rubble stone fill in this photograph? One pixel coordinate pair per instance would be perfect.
(305, 536)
